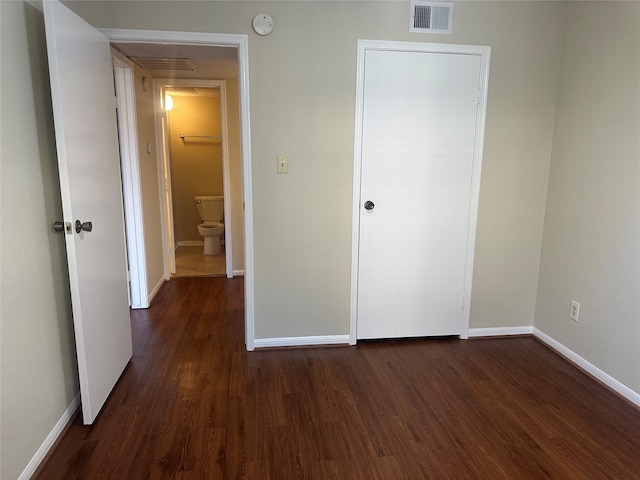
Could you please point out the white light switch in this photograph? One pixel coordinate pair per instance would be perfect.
(283, 164)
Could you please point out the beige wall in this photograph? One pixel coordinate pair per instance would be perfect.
(38, 372)
(302, 79)
(591, 248)
(145, 119)
(196, 164)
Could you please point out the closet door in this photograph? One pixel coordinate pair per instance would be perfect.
(418, 141)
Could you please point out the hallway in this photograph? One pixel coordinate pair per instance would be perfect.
(193, 404)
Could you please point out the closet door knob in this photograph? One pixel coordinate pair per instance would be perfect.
(369, 205)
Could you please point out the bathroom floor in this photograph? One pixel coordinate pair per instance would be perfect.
(192, 262)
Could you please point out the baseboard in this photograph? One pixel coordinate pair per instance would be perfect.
(301, 341)
(156, 289)
(51, 439)
(189, 243)
(588, 367)
(238, 273)
(499, 331)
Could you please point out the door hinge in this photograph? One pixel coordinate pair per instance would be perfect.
(463, 302)
(480, 96)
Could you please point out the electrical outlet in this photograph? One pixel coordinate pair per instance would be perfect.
(574, 311)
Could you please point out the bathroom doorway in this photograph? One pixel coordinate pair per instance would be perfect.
(196, 163)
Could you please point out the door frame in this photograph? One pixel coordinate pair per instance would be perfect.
(131, 188)
(241, 42)
(159, 86)
(484, 53)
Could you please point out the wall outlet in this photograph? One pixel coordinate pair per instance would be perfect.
(574, 311)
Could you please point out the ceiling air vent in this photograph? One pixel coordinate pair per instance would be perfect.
(430, 17)
(156, 63)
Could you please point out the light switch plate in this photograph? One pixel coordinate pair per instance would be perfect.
(283, 164)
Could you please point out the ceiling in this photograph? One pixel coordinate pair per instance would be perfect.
(204, 62)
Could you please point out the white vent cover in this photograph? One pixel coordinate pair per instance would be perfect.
(156, 63)
(430, 17)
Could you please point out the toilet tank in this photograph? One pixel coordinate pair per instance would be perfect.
(210, 207)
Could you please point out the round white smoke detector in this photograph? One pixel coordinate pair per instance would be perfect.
(263, 24)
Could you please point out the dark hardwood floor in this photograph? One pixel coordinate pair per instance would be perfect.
(193, 404)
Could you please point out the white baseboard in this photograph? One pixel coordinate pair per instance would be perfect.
(156, 289)
(238, 273)
(59, 427)
(588, 367)
(301, 341)
(499, 331)
(189, 243)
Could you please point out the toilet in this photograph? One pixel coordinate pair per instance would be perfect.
(211, 211)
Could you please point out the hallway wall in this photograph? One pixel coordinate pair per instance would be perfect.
(38, 373)
(149, 180)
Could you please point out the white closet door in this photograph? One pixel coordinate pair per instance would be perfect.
(418, 140)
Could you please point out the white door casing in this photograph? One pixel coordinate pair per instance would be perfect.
(131, 182)
(419, 130)
(87, 145)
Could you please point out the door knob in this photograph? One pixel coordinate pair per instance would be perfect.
(368, 205)
(86, 226)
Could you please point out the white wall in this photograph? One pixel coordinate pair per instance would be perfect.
(302, 79)
(591, 248)
(38, 371)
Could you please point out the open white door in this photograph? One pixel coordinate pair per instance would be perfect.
(88, 160)
(164, 175)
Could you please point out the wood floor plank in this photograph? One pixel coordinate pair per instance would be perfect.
(193, 404)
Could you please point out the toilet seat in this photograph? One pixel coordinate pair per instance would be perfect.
(211, 225)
